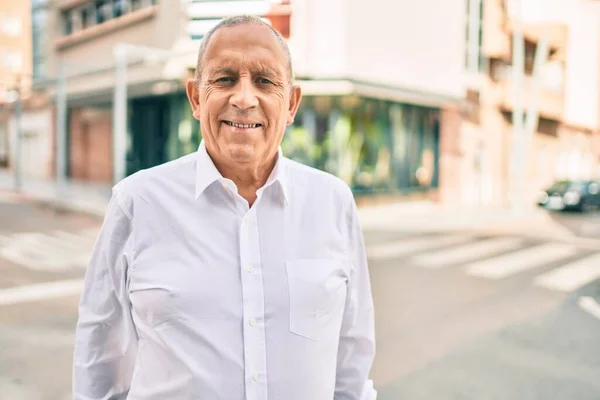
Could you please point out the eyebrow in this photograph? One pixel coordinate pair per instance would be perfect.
(258, 70)
(224, 71)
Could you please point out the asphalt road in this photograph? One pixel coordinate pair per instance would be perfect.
(443, 334)
(584, 225)
(459, 315)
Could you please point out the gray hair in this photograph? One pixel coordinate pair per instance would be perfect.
(242, 20)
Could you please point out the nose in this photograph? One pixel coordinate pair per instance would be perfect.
(244, 96)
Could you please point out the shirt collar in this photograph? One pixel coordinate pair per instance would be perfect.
(207, 173)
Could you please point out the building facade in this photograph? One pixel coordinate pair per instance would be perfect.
(380, 109)
(15, 67)
(505, 164)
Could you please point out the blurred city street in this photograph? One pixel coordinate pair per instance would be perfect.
(488, 310)
(456, 130)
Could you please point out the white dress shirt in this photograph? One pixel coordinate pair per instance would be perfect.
(192, 294)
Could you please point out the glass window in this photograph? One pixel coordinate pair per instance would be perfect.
(67, 22)
(85, 18)
(118, 8)
(478, 19)
(135, 5)
(38, 40)
(373, 145)
(103, 11)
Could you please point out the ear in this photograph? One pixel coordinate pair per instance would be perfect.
(193, 95)
(295, 98)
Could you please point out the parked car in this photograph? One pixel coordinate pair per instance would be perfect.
(571, 195)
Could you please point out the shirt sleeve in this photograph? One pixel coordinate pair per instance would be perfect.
(357, 337)
(105, 338)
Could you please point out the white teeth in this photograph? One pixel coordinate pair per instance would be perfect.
(245, 126)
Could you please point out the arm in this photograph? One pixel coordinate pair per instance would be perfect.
(105, 339)
(357, 337)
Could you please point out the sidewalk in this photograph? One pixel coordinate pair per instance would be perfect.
(427, 216)
(416, 216)
(89, 198)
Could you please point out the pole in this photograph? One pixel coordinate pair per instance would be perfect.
(532, 117)
(18, 140)
(61, 127)
(120, 113)
(518, 73)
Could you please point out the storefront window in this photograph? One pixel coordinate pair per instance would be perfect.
(375, 146)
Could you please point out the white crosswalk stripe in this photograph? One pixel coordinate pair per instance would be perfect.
(40, 291)
(495, 258)
(407, 246)
(520, 261)
(53, 251)
(571, 276)
(467, 252)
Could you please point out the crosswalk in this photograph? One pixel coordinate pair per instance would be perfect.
(495, 258)
(48, 251)
(572, 275)
(487, 258)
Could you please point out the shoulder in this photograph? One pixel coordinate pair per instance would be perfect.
(306, 181)
(150, 182)
(314, 178)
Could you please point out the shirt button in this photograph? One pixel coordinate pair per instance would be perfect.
(252, 322)
(254, 377)
(249, 268)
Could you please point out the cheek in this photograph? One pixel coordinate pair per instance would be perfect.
(276, 108)
(210, 105)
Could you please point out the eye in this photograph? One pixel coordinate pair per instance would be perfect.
(264, 81)
(224, 79)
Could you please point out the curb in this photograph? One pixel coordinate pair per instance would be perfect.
(69, 207)
(61, 206)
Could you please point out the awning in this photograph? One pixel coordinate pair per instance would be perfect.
(343, 87)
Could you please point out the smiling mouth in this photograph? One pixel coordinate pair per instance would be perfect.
(243, 126)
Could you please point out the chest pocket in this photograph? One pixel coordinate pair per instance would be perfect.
(317, 289)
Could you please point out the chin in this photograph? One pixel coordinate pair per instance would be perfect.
(242, 152)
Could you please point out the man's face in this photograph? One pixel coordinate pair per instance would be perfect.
(245, 99)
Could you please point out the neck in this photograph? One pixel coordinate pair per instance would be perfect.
(248, 178)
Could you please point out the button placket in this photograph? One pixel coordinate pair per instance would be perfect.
(253, 307)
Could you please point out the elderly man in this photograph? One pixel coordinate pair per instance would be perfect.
(232, 273)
